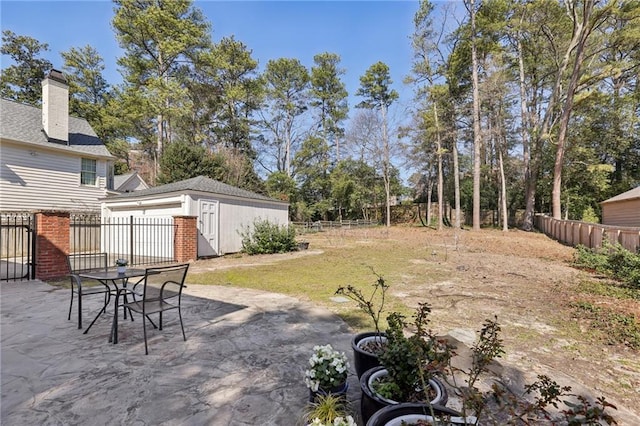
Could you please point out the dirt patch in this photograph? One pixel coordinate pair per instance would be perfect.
(524, 279)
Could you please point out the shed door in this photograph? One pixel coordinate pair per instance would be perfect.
(208, 228)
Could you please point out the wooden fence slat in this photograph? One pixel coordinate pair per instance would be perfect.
(590, 235)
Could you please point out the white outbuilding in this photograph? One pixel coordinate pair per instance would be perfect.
(224, 212)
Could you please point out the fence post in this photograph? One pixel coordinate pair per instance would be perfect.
(186, 238)
(52, 243)
(131, 254)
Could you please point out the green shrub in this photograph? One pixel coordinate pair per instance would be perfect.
(589, 215)
(612, 260)
(267, 238)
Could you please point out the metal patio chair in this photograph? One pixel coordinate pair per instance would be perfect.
(162, 291)
(85, 262)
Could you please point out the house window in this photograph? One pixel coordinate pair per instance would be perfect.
(88, 172)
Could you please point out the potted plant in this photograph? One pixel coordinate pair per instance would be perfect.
(416, 414)
(328, 410)
(327, 372)
(121, 265)
(409, 366)
(366, 346)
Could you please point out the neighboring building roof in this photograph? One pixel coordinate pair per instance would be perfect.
(198, 184)
(625, 196)
(119, 181)
(23, 123)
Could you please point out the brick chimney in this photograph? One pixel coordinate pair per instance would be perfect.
(55, 106)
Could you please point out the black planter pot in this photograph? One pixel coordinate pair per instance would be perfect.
(340, 391)
(371, 402)
(394, 415)
(364, 360)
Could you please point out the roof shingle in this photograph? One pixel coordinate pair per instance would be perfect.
(199, 184)
(23, 123)
(629, 195)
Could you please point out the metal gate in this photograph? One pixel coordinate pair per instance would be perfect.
(141, 241)
(17, 246)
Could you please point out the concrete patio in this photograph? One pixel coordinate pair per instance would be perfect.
(242, 364)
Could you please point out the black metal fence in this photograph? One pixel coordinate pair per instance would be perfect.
(141, 241)
(17, 246)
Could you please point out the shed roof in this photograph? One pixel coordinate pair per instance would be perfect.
(625, 196)
(120, 180)
(198, 184)
(23, 123)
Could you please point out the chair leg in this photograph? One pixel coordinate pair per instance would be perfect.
(79, 310)
(160, 320)
(70, 305)
(184, 337)
(144, 330)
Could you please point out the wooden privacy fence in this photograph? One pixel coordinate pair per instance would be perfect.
(590, 235)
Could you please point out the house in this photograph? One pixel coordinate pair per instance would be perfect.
(49, 160)
(129, 182)
(224, 212)
(623, 209)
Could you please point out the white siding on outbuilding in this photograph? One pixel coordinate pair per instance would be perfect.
(222, 218)
(236, 215)
(37, 178)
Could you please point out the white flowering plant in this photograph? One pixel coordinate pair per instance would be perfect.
(328, 368)
(338, 421)
(122, 262)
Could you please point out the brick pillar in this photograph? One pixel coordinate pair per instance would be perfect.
(52, 244)
(185, 246)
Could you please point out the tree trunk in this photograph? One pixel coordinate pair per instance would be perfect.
(477, 138)
(529, 182)
(541, 133)
(429, 191)
(456, 181)
(503, 193)
(583, 31)
(386, 165)
(440, 176)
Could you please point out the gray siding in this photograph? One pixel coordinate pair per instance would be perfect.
(621, 213)
(32, 178)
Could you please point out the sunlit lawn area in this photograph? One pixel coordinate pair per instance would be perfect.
(347, 258)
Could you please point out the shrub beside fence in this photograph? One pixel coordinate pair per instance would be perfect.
(590, 235)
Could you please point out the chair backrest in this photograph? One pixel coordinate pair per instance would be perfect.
(83, 262)
(164, 282)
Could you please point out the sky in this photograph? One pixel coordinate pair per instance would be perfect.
(361, 32)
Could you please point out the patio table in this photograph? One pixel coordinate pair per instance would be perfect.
(119, 280)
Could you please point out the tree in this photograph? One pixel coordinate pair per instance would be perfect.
(88, 90)
(183, 161)
(311, 162)
(287, 83)
(160, 39)
(427, 58)
(585, 18)
(375, 87)
(22, 81)
(225, 92)
(329, 96)
(477, 137)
